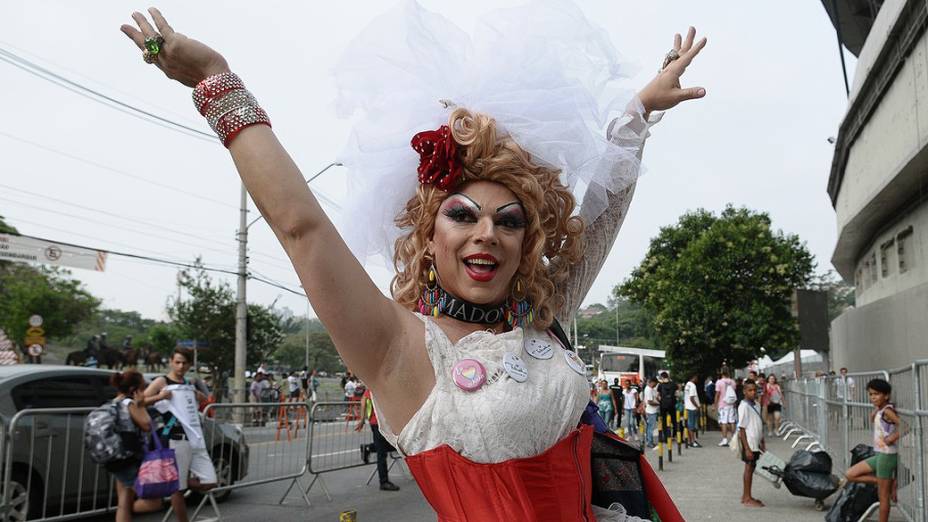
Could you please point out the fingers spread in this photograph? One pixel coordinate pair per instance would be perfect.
(677, 41)
(134, 34)
(690, 36)
(146, 27)
(687, 57)
(691, 93)
(161, 23)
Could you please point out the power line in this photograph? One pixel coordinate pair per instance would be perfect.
(276, 285)
(114, 170)
(280, 263)
(111, 225)
(167, 262)
(82, 90)
(77, 73)
(110, 214)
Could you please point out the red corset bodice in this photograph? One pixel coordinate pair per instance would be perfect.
(554, 486)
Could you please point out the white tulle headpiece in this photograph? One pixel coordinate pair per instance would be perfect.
(547, 76)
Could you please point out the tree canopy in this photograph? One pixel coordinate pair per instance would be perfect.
(719, 288)
(208, 316)
(47, 291)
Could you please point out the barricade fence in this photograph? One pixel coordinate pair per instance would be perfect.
(835, 412)
(337, 437)
(47, 474)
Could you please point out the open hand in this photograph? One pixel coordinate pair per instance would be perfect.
(183, 59)
(664, 91)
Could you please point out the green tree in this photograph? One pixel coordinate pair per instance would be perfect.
(208, 316)
(117, 324)
(50, 292)
(322, 354)
(840, 294)
(719, 288)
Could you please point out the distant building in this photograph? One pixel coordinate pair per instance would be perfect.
(879, 185)
(591, 311)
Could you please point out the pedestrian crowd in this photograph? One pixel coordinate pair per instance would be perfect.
(629, 405)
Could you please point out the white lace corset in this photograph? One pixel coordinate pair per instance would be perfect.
(504, 419)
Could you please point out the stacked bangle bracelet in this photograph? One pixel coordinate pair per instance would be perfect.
(227, 106)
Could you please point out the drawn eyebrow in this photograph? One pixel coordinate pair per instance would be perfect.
(508, 205)
(468, 199)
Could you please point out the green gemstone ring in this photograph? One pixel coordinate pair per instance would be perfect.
(153, 45)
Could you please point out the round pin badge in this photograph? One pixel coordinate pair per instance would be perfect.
(539, 348)
(469, 375)
(575, 362)
(515, 367)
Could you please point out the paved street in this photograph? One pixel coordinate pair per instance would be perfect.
(705, 483)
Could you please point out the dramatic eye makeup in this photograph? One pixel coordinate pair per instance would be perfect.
(511, 215)
(462, 209)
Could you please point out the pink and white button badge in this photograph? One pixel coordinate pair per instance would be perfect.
(469, 375)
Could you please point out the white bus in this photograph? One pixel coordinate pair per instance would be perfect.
(629, 364)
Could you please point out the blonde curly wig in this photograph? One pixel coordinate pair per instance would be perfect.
(552, 236)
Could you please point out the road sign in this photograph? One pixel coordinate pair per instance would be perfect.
(35, 350)
(192, 344)
(29, 250)
(35, 335)
(35, 320)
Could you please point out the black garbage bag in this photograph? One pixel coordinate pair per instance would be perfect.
(861, 452)
(814, 461)
(852, 503)
(809, 483)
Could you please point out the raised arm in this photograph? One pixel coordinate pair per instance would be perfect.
(335, 282)
(629, 132)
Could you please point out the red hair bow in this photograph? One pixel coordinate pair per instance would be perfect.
(438, 159)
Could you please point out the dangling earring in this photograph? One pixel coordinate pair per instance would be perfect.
(519, 311)
(432, 300)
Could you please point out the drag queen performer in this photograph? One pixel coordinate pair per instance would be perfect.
(466, 162)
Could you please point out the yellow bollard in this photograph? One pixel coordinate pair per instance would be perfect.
(660, 444)
(670, 441)
(679, 433)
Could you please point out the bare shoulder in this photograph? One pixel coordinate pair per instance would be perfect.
(406, 377)
(156, 385)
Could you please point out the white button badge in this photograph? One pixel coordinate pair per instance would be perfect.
(515, 367)
(575, 362)
(539, 349)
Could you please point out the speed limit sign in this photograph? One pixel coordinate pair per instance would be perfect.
(35, 350)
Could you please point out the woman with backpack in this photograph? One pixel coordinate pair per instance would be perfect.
(131, 420)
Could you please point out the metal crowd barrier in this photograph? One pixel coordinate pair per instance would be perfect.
(334, 442)
(47, 474)
(834, 413)
(276, 447)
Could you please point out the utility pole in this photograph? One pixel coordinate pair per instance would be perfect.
(306, 324)
(241, 307)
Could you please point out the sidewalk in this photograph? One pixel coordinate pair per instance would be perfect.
(705, 483)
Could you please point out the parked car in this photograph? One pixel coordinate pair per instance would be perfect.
(49, 470)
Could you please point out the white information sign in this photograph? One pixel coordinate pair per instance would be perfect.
(28, 250)
(183, 405)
